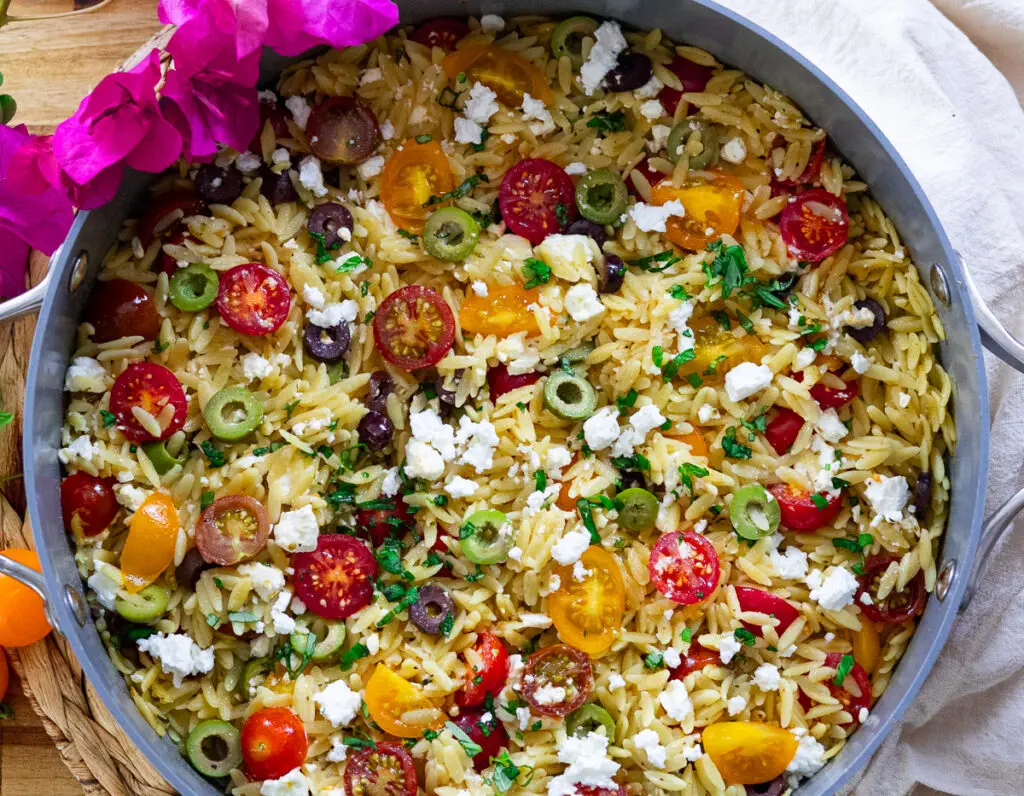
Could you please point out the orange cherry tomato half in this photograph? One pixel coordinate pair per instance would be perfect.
(335, 580)
(855, 692)
(763, 602)
(5, 674)
(783, 429)
(748, 752)
(398, 706)
(121, 308)
(87, 503)
(587, 613)
(231, 529)
(443, 32)
(413, 174)
(22, 618)
(867, 645)
(152, 536)
(799, 510)
(537, 198)
(718, 350)
(489, 676)
(414, 328)
(504, 311)
(506, 73)
(253, 299)
(713, 203)
(152, 388)
(273, 743)
(386, 769)
(684, 567)
(698, 445)
(557, 680)
(695, 659)
(814, 225)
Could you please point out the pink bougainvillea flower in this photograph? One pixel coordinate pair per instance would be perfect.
(202, 21)
(13, 264)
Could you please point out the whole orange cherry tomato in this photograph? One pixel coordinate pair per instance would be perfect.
(503, 311)
(747, 752)
(151, 539)
(713, 203)
(414, 173)
(22, 618)
(587, 613)
(506, 73)
(398, 706)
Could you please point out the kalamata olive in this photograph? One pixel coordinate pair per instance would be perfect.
(445, 397)
(774, 788)
(381, 386)
(327, 219)
(342, 131)
(631, 71)
(868, 333)
(591, 229)
(631, 479)
(611, 275)
(327, 345)
(218, 186)
(430, 610)
(277, 188)
(922, 495)
(376, 430)
(191, 567)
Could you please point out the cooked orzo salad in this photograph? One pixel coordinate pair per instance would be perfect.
(536, 406)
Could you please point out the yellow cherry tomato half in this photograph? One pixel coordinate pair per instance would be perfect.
(718, 350)
(507, 74)
(748, 752)
(867, 645)
(503, 311)
(713, 202)
(398, 706)
(22, 618)
(588, 613)
(698, 445)
(152, 537)
(413, 174)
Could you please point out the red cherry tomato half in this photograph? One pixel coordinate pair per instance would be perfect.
(273, 743)
(253, 299)
(443, 32)
(763, 602)
(854, 693)
(898, 606)
(336, 579)
(379, 524)
(810, 174)
(414, 328)
(151, 387)
(231, 529)
(88, 504)
(557, 667)
(501, 381)
(799, 511)
(684, 567)
(694, 77)
(489, 735)
(487, 677)
(832, 398)
(652, 175)
(530, 195)
(695, 659)
(815, 225)
(386, 770)
(163, 205)
(783, 429)
(591, 790)
(121, 308)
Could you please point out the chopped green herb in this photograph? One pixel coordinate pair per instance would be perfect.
(819, 500)
(426, 138)
(654, 660)
(626, 401)
(817, 345)
(713, 367)
(844, 668)
(669, 371)
(448, 97)
(408, 235)
(350, 656)
(484, 135)
(471, 749)
(537, 271)
(462, 189)
(773, 293)
(359, 742)
(109, 418)
(389, 556)
(665, 260)
(273, 446)
(688, 471)
(734, 449)
(686, 635)
(678, 292)
(540, 480)
(695, 380)
(744, 636)
(205, 500)
(291, 407)
(587, 517)
(745, 322)
(216, 457)
(353, 262)
(212, 620)
(605, 122)
(839, 483)
(635, 462)
(759, 423)
(728, 268)
(506, 773)
(441, 500)
(447, 624)
(411, 596)
(430, 734)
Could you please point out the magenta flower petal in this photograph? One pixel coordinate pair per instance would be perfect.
(297, 25)
(98, 191)
(13, 264)
(199, 21)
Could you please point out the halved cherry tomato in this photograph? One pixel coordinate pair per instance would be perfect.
(695, 659)
(684, 567)
(799, 512)
(500, 381)
(698, 445)
(253, 299)
(694, 78)
(336, 579)
(763, 602)
(385, 769)
(531, 193)
(414, 328)
(814, 225)
(898, 606)
(443, 32)
(5, 674)
(413, 174)
(854, 693)
(489, 735)
(867, 645)
(718, 351)
(379, 524)
(342, 131)
(588, 613)
(506, 73)
(152, 537)
(557, 671)
(231, 529)
(503, 311)
(88, 504)
(783, 429)
(152, 388)
(809, 175)
(163, 205)
(652, 175)
(273, 743)
(22, 618)
(398, 706)
(713, 202)
(487, 677)
(832, 397)
(121, 308)
(748, 752)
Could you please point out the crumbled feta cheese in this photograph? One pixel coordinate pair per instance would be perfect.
(248, 162)
(537, 500)
(652, 109)
(588, 765)
(255, 366)
(888, 496)
(370, 76)
(707, 412)
(294, 783)
(373, 643)
(860, 362)
(833, 591)
(583, 303)
(371, 167)
(491, 23)
(576, 168)
(338, 703)
(480, 440)
(536, 110)
(569, 256)
(831, 427)
(602, 428)
(480, 288)
(678, 319)
(809, 757)
(609, 42)
(300, 110)
(735, 704)
(311, 176)
(616, 681)
(570, 547)
(671, 656)
(428, 427)
(734, 150)
(105, 582)
(81, 447)
(643, 421)
(556, 458)
(129, 496)
(516, 553)
(862, 715)
(266, 580)
(178, 654)
(279, 156)
(728, 646)
(792, 565)
(297, 531)
(580, 573)
(649, 89)
(283, 623)
(746, 379)
(549, 694)
(659, 134)
(86, 375)
(652, 218)
(422, 461)
(649, 742)
(481, 104)
(338, 751)
(767, 677)
(903, 400)
(459, 487)
(333, 314)
(313, 296)
(675, 699)
(387, 130)
(467, 131)
(805, 358)
(865, 599)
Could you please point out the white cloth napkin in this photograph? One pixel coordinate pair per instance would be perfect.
(958, 123)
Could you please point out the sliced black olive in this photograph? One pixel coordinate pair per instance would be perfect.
(191, 567)
(922, 495)
(774, 788)
(445, 397)
(631, 71)
(582, 226)
(342, 131)
(277, 188)
(327, 219)
(376, 430)
(381, 386)
(629, 479)
(611, 275)
(868, 333)
(327, 345)
(433, 606)
(218, 186)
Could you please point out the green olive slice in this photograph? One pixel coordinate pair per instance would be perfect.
(754, 513)
(639, 508)
(569, 397)
(145, 606)
(233, 413)
(194, 288)
(681, 134)
(451, 234)
(602, 196)
(214, 748)
(567, 38)
(486, 537)
(590, 718)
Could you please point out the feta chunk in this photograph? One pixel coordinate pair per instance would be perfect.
(767, 677)
(571, 546)
(422, 461)
(652, 109)
(481, 104)
(467, 131)
(569, 256)
(805, 358)
(675, 699)
(831, 427)
(616, 681)
(728, 646)
(649, 742)
(535, 110)
(266, 580)
(294, 783)
(792, 565)
(588, 765)
(860, 362)
(86, 375)
(480, 288)
(338, 703)
(178, 654)
(300, 110)
(833, 591)
(105, 583)
(297, 531)
(888, 496)
(371, 167)
(746, 379)
(459, 487)
(583, 303)
(809, 757)
(735, 704)
(333, 314)
(652, 218)
(603, 56)
(734, 150)
(576, 168)
(311, 176)
(602, 428)
(255, 366)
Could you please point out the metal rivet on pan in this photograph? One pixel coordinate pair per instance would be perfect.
(945, 579)
(78, 272)
(939, 286)
(76, 602)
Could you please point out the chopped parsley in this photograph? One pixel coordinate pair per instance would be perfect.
(635, 462)
(484, 135)
(447, 624)
(462, 189)
(291, 407)
(540, 480)
(688, 471)
(323, 254)
(855, 545)
(411, 596)
(471, 749)
(679, 292)
(205, 500)
(216, 457)
(109, 418)
(759, 423)
(734, 449)
(686, 635)
(713, 367)
(408, 235)
(654, 660)
(606, 122)
(273, 446)
(506, 773)
(440, 500)
(389, 556)
(587, 517)
(819, 500)
(773, 293)
(537, 272)
(744, 636)
(839, 483)
(656, 262)
(626, 401)
(671, 368)
(695, 380)
(426, 138)
(359, 741)
(562, 215)
(350, 656)
(844, 668)
(728, 268)
(353, 262)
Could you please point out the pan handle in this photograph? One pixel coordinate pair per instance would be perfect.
(992, 531)
(29, 301)
(994, 336)
(29, 577)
